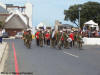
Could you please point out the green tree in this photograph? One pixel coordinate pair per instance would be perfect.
(1, 24)
(89, 11)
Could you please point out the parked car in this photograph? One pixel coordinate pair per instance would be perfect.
(19, 35)
(5, 35)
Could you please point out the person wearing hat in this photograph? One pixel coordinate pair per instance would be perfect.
(53, 38)
(61, 40)
(65, 35)
(28, 38)
(44, 38)
(58, 36)
(72, 37)
(41, 38)
(80, 41)
(24, 36)
(37, 37)
(69, 40)
(75, 39)
(47, 36)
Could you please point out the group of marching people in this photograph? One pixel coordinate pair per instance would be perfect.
(59, 39)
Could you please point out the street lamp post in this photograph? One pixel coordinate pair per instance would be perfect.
(79, 16)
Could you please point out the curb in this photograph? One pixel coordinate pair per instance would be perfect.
(8, 38)
(4, 58)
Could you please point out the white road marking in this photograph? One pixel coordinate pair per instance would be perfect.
(72, 54)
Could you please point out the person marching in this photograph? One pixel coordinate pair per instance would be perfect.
(44, 33)
(29, 39)
(75, 39)
(61, 40)
(41, 39)
(53, 38)
(47, 35)
(72, 37)
(37, 37)
(58, 37)
(69, 40)
(24, 37)
(80, 41)
(65, 39)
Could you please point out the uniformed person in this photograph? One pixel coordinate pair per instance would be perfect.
(61, 40)
(69, 40)
(53, 38)
(44, 32)
(58, 37)
(47, 36)
(65, 39)
(72, 37)
(24, 37)
(79, 40)
(37, 37)
(76, 39)
(28, 38)
(41, 39)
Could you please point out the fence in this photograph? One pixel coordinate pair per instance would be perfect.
(91, 41)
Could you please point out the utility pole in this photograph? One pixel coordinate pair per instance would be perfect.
(79, 16)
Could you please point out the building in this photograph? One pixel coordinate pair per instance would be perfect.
(60, 26)
(57, 25)
(3, 12)
(16, 18)
(15, 22)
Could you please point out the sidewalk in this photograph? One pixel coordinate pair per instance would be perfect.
(3, 54)
(10, 37)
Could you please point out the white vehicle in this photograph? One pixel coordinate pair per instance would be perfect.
(19, 35)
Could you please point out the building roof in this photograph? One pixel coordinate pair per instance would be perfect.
(2, 5)
(91, 22)
(15, 23)
(19, 14)
(3, 10)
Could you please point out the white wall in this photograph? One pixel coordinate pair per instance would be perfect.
(91, 41)
(3, 5)
(28, 12)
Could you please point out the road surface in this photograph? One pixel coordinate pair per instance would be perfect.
(50, 61)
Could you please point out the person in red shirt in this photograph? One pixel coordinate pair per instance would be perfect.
(37, 37)
(61, 39)
(71, 35)
(47, 36)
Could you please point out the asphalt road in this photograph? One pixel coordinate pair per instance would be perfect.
(50, 61)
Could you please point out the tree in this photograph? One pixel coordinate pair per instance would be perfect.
(1, 24)
(89, 11)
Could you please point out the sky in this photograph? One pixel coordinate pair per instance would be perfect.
(48, 11)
